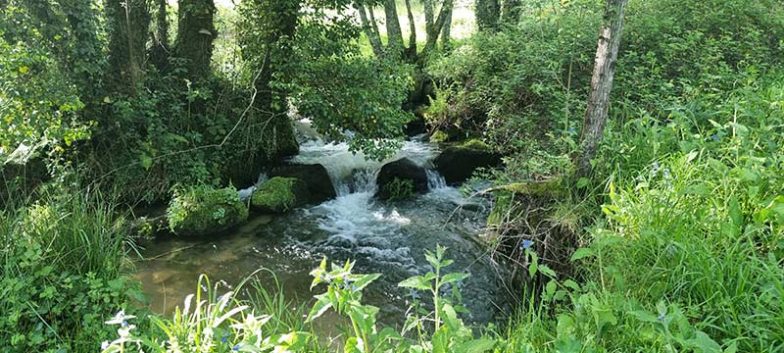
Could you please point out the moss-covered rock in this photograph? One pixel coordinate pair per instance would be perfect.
(315, 176)
(279, 194)
(400, 179)
(458, 162)
(203, 210)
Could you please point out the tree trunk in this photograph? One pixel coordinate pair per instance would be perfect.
(128, 24)
(412, 37)
(160, 50)
(394, 33)
(446, 32)
(438, 25)
(373, 37)
(195, 35)
(510, 13)
(601, 85)
(487, 14)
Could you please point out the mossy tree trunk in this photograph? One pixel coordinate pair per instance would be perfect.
(195, 35)
(510, 12)
(488, 12)
(394, 33)
(601, 85)
(128, 25)
(159, 54)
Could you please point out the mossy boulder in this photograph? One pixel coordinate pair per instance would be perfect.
(203, 210)
(458, 162)
(316, 179)
(279, 195)
(400, 179)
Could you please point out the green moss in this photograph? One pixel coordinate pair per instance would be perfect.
(399, 189)
(203, 210)
(475, 144)
(439, 137)
(279, 194)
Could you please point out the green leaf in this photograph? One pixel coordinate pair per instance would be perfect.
(416, 282)
(319, 308)
(454, 277)
(704, 344)
(480, 345)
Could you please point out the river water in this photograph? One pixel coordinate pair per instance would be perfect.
(382, 237)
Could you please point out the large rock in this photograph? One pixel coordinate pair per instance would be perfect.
(203, 210)
(314, 176)
(401, 178)
(457, 163)
(279, 195)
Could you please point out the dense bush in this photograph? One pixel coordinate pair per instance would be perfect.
(203, 210)
(62, 274)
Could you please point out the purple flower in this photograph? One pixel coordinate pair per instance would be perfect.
(236, 348)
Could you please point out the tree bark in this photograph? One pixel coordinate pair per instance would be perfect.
(601, 85)
(488, 13)
(510, 13)
(128, 24)
(446, 32)
(195, 35)
(438, 25)
(373, 37)
(394, 33)
(412, 37)
(160, 50)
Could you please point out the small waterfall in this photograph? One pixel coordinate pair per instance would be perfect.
(435, 181)
(353, 172)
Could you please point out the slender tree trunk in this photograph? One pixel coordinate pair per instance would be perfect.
(429, 20)
(394, 33)
(373, 36)
(438, 25)
(510, 12)
(160, 50)
(195, 35)
(128, 23)
(487, 14)
(412, 37)
(601, 85)
(446, 32)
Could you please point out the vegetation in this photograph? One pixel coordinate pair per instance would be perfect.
(202, 210)
(279, 194)
(640, 201)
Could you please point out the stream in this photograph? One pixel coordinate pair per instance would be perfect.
(382, 237)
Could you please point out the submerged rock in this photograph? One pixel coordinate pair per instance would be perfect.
(457, 163)
(400, 179)
(315, 177)
(279, 195)
(203, 210)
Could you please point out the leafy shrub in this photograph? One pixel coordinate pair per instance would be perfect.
(203, 210)
(62, 271)
(279, 194)
(399, 189)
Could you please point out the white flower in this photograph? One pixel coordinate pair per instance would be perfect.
(120, 319)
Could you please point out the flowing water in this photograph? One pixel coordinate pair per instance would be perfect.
(383, 237)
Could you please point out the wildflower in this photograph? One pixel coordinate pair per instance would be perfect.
(225, 338)
(661, 317)
(526, 244)
(715, 137)
(236, 348)
(120, 319)
(104, 345)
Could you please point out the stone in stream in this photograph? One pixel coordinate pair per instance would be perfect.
(315, 177)
(279, 195)
(400, 179)
(458, 162)
(203, 210)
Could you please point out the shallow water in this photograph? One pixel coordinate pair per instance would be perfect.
(382, 237)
